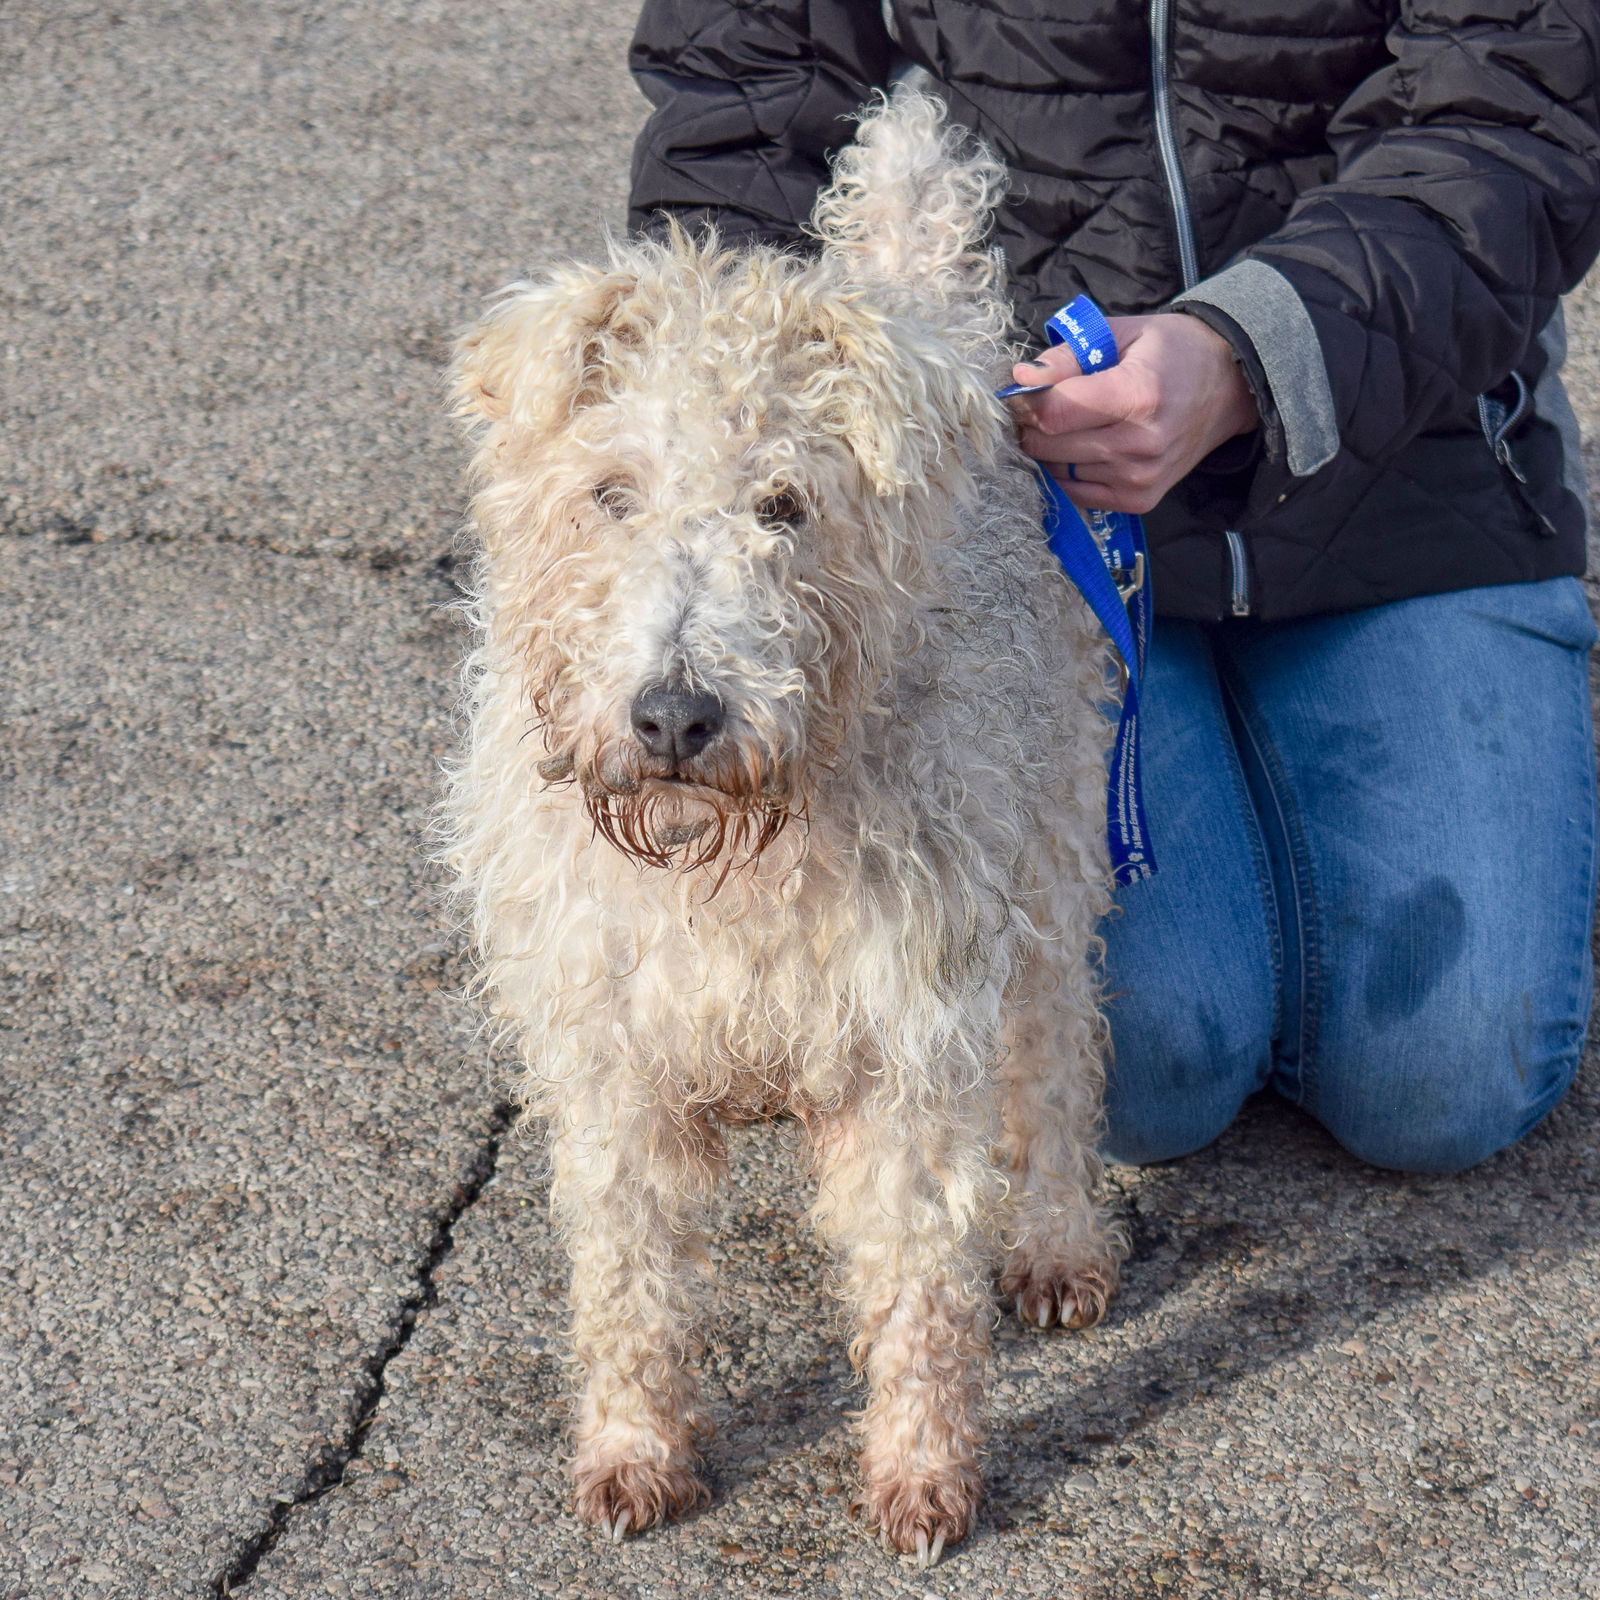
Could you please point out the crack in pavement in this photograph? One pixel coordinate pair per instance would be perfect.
(418, 558)
(326, 1471)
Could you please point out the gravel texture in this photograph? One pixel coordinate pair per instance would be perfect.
(1319, 1380)
(239, 237)
(280, 1312)
(239, 1105)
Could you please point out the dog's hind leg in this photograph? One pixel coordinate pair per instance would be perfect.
(1062, 1259)
(907, 1200)
(631, 1178)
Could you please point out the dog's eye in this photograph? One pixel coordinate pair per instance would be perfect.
(781, 510)
(616, 500)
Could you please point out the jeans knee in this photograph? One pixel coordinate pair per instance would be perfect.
(1435, 1147)
(1444, 1117)
(1167, 1109)
(1135, 1143)
(1179, 1074)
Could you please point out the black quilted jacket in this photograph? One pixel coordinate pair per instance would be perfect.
(1377, 201)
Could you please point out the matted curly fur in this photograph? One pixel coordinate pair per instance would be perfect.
(854, 873)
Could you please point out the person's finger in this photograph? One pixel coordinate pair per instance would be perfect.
(1087, 465)
(1090, 447)
(1049, 366)
(1077, 405)
(1056, 362)
(1088, 492)
(1111, 483)
(1111, 487)
(1088, 495)
(1075, 479)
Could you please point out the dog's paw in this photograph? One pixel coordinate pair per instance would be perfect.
(921, 1515)
(1055, 1295)
(629, 1496)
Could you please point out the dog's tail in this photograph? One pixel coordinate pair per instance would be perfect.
(909, 206)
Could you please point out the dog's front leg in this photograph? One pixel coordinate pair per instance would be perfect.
(907, 1196)
(631, 1177)
(1063, 1258)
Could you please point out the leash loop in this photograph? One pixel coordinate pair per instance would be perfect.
(1105, 555)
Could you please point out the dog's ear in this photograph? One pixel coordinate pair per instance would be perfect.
(906, 404)
(535, 359)
(907, 213)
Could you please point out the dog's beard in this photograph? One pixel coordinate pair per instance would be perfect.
(686, 826)
(722, 812)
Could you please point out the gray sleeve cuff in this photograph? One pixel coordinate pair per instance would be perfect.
(1274, 318)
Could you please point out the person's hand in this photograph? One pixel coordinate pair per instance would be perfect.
(1133, 431)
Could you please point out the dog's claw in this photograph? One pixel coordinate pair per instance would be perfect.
(1058, 1294)
(922, 1548)
(937, 1551)
(620, 1525)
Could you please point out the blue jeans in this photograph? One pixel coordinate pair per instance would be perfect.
(1376, 836)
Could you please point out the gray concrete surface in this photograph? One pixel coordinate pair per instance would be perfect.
(280, 1312)
(238, 238)
(1319, 1381)
(238, 1105)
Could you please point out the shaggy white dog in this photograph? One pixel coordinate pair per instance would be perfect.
(786, 794)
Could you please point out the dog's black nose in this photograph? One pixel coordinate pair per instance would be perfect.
(676, 724)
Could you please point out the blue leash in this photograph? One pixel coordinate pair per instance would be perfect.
(1104, 554)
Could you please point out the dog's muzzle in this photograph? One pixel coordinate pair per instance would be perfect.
(675, 723)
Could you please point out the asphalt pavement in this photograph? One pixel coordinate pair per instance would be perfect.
(280, 1309)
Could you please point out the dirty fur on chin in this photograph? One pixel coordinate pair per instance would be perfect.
(784, 791)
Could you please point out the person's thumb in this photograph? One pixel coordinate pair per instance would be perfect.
(1049, 366)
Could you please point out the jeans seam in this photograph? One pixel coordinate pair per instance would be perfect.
(1582, 972)
(1583, 966)
(1302, 883)
(1258, 848)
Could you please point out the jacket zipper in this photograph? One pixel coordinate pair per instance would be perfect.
(1183, 230)
(1240, 572)
(1167, 139)
(1498, 420)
